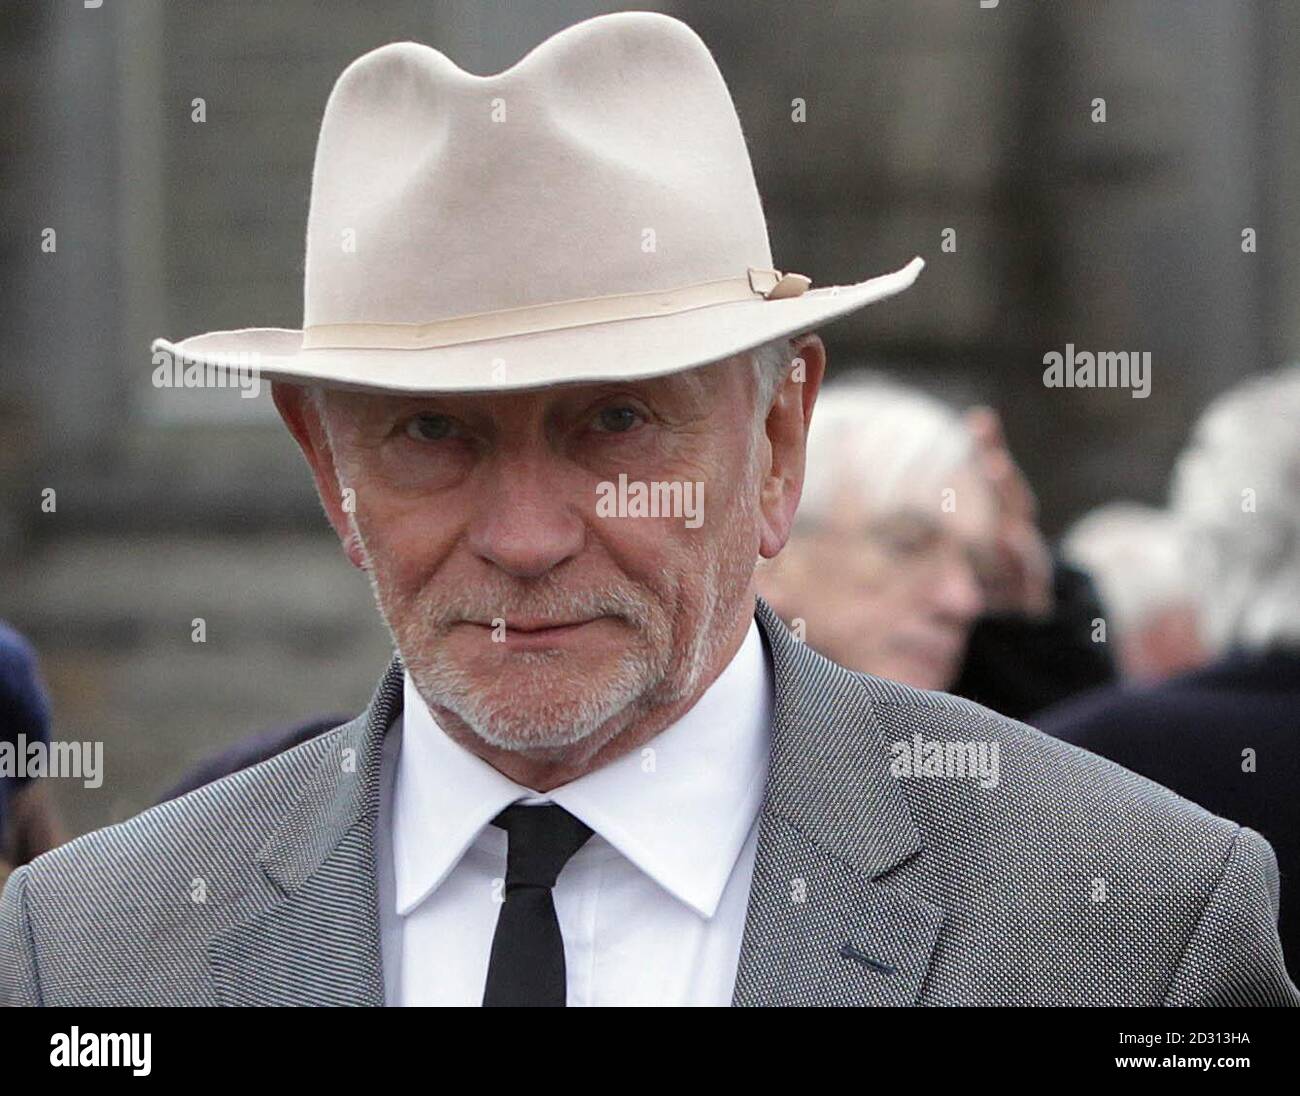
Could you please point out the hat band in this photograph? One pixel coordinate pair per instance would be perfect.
(533, 319)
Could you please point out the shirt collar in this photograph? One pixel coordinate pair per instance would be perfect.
(680, 808)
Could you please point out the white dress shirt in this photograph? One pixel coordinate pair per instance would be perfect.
(651, 908)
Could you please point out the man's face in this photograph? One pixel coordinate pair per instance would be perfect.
(894, 591)
(519, 602)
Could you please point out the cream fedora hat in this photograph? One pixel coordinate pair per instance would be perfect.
(588, 214)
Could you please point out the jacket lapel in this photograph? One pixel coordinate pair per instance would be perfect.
(823, 928)
(314, 939)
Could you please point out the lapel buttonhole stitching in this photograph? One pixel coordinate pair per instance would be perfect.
(849, 951)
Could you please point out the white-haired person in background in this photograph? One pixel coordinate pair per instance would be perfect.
(1138, 557)
(916, 555)
(1228, 735)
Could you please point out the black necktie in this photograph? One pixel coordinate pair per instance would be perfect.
(527, 964)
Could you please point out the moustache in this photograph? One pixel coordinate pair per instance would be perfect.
(475, 606)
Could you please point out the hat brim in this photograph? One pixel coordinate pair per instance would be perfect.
(616, 350)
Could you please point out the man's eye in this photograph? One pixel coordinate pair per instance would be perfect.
(431, 428)
(617, 420)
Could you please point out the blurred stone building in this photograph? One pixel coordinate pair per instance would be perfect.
(917, 117)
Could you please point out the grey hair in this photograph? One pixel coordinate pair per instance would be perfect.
(771, 364)
(879, 440)
(1137, 556)
(1237, 487)
(316, 397)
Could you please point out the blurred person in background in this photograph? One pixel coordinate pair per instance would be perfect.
(28, 824)
(1137, 556)
(1226, 735)
(251, 751)
(917, 556)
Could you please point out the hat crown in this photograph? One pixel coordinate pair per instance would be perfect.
(608, 160)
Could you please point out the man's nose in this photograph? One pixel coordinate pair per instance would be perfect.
(524, 520)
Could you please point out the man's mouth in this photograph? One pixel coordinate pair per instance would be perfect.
(531, 627)
(531, 631)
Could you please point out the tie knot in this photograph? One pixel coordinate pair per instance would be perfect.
(541, 841)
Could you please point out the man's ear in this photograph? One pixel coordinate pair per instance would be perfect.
(302, 415)
(787, 435)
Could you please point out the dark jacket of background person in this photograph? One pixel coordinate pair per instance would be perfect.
(251, 751)
(1018, 665)
(24, 719)
(1189, 734)
(24, 708)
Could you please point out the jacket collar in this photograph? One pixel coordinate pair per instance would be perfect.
(823, 928)
(316, 942)
(820, 929)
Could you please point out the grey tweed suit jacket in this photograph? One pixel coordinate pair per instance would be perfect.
(1070, 882)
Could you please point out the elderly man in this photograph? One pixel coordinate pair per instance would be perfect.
(1224, 734)
(916, 556)
(541, 327)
